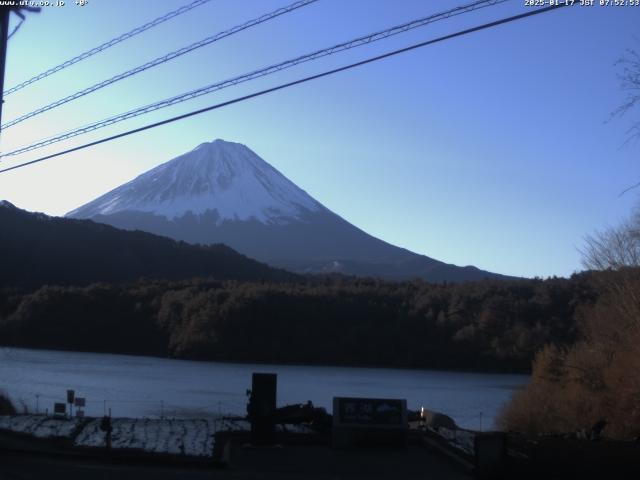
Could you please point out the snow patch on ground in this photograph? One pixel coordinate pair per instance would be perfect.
(40, 426)
(182, 437)
(242, 425)
(194, 437)
(461, 439)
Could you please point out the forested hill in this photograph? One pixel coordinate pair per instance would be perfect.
(37, 249)
(488, 325)
(76, 285)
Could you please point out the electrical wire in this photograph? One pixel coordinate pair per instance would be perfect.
(15, 29)
(108, 44)
(363, 40)
(160, 60)
(295, 82)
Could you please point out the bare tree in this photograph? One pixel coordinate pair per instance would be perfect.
(629, 77)
(614, 248)
(597, 379)
(618, 249)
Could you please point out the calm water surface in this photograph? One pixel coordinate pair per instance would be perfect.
(146, 386)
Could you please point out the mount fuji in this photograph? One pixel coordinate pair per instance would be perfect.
(222, 192)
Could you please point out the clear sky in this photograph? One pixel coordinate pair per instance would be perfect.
(492, 149)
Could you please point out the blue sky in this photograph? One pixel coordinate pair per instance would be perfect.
(492, 149)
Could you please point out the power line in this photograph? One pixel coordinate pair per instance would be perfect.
(5, 13)
(373, 37)
(295, 82)
(108, 44)
(160, 60)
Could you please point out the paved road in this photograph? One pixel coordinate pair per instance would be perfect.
(288, 463)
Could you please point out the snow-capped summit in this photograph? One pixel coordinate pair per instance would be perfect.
(222, 192)
(222, 177)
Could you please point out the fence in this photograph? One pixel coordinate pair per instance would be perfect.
(151, 408)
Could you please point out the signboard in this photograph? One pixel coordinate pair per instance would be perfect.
(59, 408)
(70, 396)
(371, 411)
(80, 413)
(79, 401)
(369, 422)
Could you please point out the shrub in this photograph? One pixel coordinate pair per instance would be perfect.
(595, 379)
(6, 407)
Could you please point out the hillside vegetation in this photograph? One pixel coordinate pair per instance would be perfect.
(38, 249)
(597, 378)
(488, 325)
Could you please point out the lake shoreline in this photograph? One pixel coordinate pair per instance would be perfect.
(514, 371)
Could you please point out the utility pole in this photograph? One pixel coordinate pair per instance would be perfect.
(4, 37)
(5, 12)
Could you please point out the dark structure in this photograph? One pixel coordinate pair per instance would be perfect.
(262, 408)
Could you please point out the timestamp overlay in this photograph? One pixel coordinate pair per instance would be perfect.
(43, 3)
(582, 3)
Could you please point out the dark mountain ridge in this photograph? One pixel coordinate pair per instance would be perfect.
(38, 249)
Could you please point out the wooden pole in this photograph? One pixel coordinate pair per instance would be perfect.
(4, 36)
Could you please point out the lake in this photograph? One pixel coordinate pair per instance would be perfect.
(133, 386)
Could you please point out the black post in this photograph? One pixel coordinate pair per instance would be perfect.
(4, 37)
(262, 408)
(107, 428)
